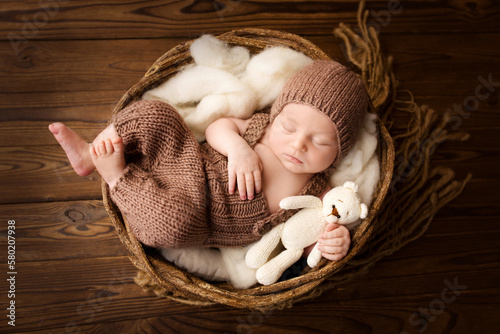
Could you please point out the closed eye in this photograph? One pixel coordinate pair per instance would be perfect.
(323, 140)
(287, 128)
(322, 144)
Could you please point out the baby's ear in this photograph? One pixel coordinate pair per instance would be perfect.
(364, 211)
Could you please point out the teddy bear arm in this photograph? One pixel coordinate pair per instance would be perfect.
(299, 202)
(314, 257)
(270, 272)
(258, 254)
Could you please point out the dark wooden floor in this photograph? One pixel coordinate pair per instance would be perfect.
(72, 60)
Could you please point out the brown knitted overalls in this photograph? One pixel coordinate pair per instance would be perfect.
(174, 192)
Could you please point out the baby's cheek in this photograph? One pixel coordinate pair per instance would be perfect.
(321, 159)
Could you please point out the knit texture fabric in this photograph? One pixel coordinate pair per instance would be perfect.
(174, 191)
(332, 89)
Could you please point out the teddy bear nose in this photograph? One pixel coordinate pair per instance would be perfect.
(335, 212)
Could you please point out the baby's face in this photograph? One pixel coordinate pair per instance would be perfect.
(304, 139)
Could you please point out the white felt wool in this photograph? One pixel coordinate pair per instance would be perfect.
(267, 73)
(203, 94)
(212, 52)
(361, 165)
(206, 263)
(225, 82)
(240, 275)
(225, 264)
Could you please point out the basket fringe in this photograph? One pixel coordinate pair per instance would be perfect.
(147, 284)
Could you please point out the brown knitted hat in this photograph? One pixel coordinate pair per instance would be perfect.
(332, 89)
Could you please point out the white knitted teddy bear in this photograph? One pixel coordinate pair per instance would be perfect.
(341, 205)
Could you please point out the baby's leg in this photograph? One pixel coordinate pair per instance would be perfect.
(77, 149)
(109, 159)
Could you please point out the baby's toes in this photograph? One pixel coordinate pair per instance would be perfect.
(100, 148)
(108, 146)
(117, 145)
(93, 151)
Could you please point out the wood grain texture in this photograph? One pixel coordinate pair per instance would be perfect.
(160, 19)
(43, 173)
(74, 276)
(62, 230)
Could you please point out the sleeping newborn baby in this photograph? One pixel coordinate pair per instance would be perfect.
(177, 193)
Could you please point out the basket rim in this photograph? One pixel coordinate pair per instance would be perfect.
(183, 284)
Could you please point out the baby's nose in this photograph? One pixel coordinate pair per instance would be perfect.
(299, 143)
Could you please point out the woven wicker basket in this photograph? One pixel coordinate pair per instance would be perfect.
(167, 280)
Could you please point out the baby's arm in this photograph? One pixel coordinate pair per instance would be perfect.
(244, 166)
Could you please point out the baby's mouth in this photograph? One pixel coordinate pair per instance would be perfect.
(293, 159)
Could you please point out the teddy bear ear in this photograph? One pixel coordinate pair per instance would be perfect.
(364, 211)
(351, 185)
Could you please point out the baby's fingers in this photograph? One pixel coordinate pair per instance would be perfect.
(250, 185)
(253, 183)
(231, 182)
(333, 253)
(326, 249)
(333, 257)
(240, 180)
(257, 178)
(334, 230)
(331, 226)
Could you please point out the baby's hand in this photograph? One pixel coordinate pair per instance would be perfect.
(334, 242)
(245, 170)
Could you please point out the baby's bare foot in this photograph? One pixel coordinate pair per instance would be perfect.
(75, 148)
(109, 159)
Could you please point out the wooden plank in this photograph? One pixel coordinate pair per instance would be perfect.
(55, 106)
(36, 133)
(43, 173)
(61, 231)
(69, 66)
(92, 292)
(53, 70)
(367, 318)
(341, 319)
(57, 294)
(28, 21)
(97, 116)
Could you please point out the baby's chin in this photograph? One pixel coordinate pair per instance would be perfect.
(299, 168)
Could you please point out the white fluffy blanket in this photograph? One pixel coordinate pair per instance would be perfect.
(226, 81)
